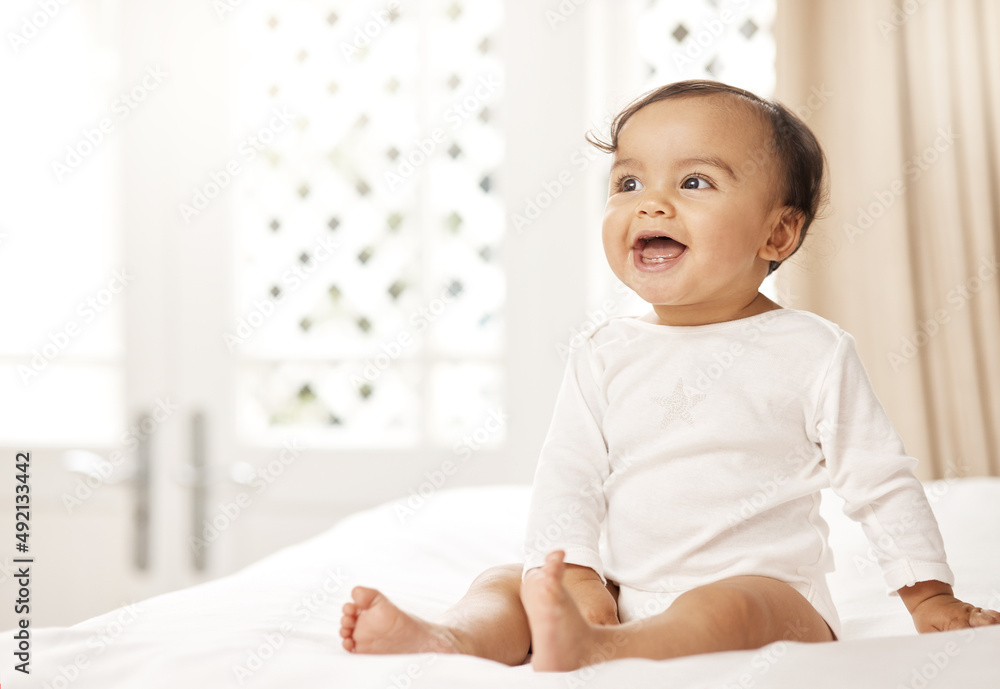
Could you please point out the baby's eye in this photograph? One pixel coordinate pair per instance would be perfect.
(629, 184)
(695, 183)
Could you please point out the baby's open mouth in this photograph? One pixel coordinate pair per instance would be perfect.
(659, 249)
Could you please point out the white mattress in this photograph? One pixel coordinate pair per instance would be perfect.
(275, 624)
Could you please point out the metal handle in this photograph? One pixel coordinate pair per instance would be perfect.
(141, 481)
(199, 489)
(99, 471)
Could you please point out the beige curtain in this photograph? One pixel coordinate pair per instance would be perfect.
(905, 97)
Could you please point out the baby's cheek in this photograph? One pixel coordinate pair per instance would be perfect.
(616, 254)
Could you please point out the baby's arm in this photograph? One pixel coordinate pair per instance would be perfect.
(935, 609)
(568, 505)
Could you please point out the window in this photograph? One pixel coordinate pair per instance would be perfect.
(370, 295)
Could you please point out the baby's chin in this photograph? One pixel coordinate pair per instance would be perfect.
(648, 287)
(659, 290)
(658, 296)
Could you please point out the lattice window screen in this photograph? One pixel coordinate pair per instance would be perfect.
(369, 228)
(725, 40)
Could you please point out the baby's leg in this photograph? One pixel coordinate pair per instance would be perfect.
(734, 614)
(488, 622)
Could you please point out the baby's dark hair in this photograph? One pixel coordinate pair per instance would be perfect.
(793, 145)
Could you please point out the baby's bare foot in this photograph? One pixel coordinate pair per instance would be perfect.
(561, 639)
(372, 624)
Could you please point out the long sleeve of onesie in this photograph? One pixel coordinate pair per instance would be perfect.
(871, 471)
(568, 502)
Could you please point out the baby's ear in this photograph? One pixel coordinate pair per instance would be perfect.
(784, 237)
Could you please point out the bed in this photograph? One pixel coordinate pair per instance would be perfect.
(275, 623)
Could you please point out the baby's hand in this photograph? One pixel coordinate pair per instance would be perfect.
(935, 609)
(595, 601)
(944, 612)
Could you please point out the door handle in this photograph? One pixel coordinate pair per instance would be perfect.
(99, 471)
(141, 481)
(199, 489)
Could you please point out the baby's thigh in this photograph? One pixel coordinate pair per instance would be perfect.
(765, 609)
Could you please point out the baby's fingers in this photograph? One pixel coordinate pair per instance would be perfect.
(982, 618)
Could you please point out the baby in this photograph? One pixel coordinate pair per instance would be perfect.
(675, 509)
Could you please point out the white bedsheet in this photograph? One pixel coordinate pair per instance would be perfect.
(275, 624)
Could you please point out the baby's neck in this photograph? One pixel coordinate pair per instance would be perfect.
(705, 315)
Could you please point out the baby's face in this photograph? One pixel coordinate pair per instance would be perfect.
(691, 207)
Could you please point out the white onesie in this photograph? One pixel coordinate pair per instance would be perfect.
(679, 456)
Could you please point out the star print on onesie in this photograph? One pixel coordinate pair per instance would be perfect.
(678, 405)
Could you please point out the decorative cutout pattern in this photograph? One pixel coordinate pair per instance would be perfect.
(369, 230)
(724, 40)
